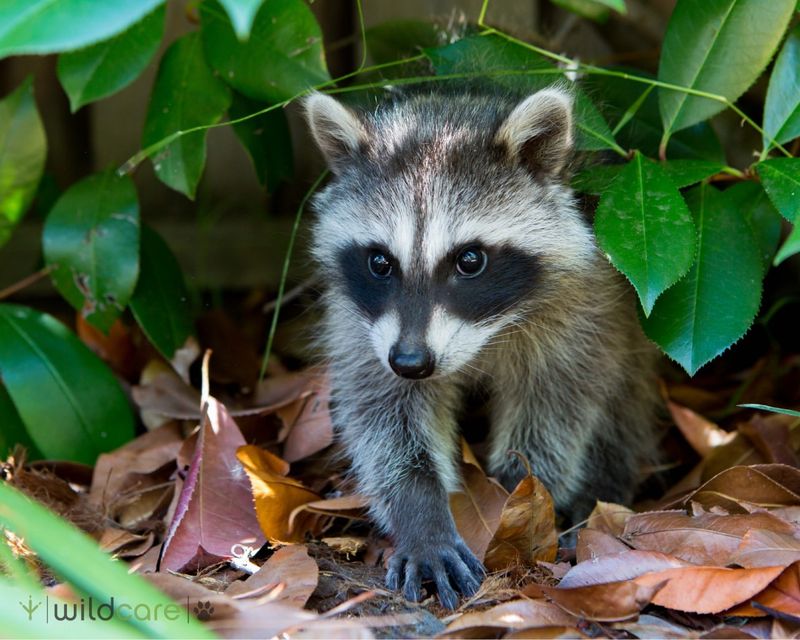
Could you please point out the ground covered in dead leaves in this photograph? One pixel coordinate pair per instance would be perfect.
(232, 503)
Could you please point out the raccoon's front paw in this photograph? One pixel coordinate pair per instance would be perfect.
(450, 564)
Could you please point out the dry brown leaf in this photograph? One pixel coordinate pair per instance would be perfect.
(348, 545)
(124, 544)
(618, 567)
(309, 421)
(607, 602)
(596, 544)
(782, 595)
(770, 437)
(707, 589)
(762, 548)
(352, 507)
(703, 435)
(290, 567)
(517, 614)
(609, 518)
(766, 485)
(706, 539)
(115, 347)
(543, 633)
(276, 496)
(527, 529)
(476, 510)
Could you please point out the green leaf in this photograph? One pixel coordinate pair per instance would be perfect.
(48, 26)
(719, 47)
(186, 94)
(160, 303)
(766, 407)
(781, 179)
(715, 304)
(764, 221)
(12, 429)
(495, 60)
(684, 173)
(72, 405)
(397, 39)
(267, 140)
(242, 13)
(782, 107)
(23, 149)
(790, 246)
(106, 67)
(596, 179)
(596, 10)
(75, 557)
(646, 229)
(282, 58)
(91, 241)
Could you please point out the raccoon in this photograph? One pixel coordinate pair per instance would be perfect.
(455, 257)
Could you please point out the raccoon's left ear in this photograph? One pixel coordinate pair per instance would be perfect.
(337, 131)
(538, 132)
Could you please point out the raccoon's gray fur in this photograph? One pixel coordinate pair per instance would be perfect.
(453, 256)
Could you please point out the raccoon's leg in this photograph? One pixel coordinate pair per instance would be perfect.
(403, 443)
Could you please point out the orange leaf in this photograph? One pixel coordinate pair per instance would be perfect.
(607, 602)
(782, 595)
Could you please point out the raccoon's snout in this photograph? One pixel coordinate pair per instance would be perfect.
(409, 361)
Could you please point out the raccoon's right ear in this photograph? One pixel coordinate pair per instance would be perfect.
(538, 132)
(336, 129)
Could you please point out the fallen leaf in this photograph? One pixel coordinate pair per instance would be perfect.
(762, 548)
(215, 506)
(348, 545)
(618, 567)
(767, 485)
(233, 359)
(593, 543)
(782, 595)
(125, 544)
(703, 435)
(527, 529)
(609, 518)
(707, 589)
(477, 508)
(277, 496)
(770, 437)
(289, 566)
(606, 602)
(311, 430)
(116, 347)
(542, 633)
(516, 614)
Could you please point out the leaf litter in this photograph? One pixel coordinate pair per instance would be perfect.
(239, 504)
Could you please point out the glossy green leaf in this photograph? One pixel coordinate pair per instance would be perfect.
(72, 405)
(715, 304)
(282, 58)
(12, 429)
(781, 179)
(719, 47)
(48, 26)
(76, 558)
(267, 140)
(596, 179)
(186, 94)
(242, 13)
(91, 241)
(684, 173)
(106, 67)
(645, 228)
(160, 303)
(782, 106)
(23, 149)
(597, 10)
(515, 68)
(764, 221)
(643, 131)
(790, 246)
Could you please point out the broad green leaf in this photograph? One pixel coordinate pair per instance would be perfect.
(684, 173)
(398, 39)
(266, 139)
(597, 10)
(782, 107)
(76, 558)
(106, 67)
(781, 179)
(160, 303)
(72, 405)
(645, 228)
(764, 221)
(23, 149)
(715, 304)
(511, 66)
(790, 246)
(91, 241)
(643, 131)
(186, 94)
(242, 13)
(12, 429)
(282, 58)
(48, 26)
(596, 179)
(718, 47)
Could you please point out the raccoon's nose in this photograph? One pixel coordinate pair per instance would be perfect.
(411, 362)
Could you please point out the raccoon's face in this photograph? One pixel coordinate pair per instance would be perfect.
(445, 223)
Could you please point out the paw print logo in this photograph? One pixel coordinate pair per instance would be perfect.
(203, 610)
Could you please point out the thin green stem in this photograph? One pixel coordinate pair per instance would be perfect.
(632, 110)
(285, 271)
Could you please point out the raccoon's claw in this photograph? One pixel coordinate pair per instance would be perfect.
(450, 565)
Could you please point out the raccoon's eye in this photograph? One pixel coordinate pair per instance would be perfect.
(379, 265)
(471, 262)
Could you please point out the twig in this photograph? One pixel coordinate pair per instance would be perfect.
(27, 281)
